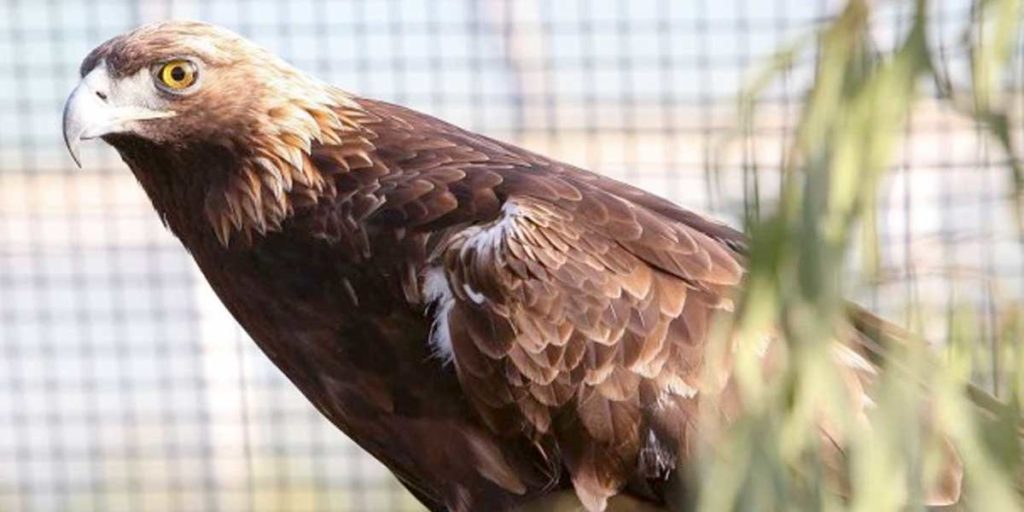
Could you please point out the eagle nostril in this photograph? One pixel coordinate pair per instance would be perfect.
(102, 95)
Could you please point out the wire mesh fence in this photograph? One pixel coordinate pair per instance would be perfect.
(125, 385)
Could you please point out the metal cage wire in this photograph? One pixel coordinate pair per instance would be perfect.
(125, 385)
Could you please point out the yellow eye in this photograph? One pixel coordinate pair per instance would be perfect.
(178, 74)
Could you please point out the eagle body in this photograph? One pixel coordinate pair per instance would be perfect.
(491, 324)
(344, 299)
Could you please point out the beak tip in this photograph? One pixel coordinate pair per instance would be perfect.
(73, 127)
(73, 150)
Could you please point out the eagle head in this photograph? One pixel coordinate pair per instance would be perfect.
(199, 110)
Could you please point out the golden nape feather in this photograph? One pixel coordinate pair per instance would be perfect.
(279, 173)
(497, 327)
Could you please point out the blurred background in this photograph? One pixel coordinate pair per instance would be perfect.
(125, 385)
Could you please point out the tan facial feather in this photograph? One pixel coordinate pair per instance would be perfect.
(281, 175)
(259, 107)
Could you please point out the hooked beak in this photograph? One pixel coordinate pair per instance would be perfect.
(93, 110)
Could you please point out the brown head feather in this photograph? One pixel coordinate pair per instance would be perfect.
(265, 113)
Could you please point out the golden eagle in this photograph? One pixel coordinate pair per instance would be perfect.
(491, 324)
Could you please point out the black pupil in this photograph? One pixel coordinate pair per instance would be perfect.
(178, 73)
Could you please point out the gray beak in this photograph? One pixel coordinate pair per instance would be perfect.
(86, 116)
(98, 107)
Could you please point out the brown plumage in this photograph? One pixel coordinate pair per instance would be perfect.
(491, 324)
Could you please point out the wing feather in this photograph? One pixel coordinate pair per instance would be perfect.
(573, 322)
(579, 306)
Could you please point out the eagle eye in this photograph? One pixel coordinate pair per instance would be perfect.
(177, 75)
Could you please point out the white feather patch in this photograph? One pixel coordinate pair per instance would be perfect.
(475, 296)
(678, 386)
(487, 239)
(437, 292)
(491, 237)
(675, 386)
(655, 458)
